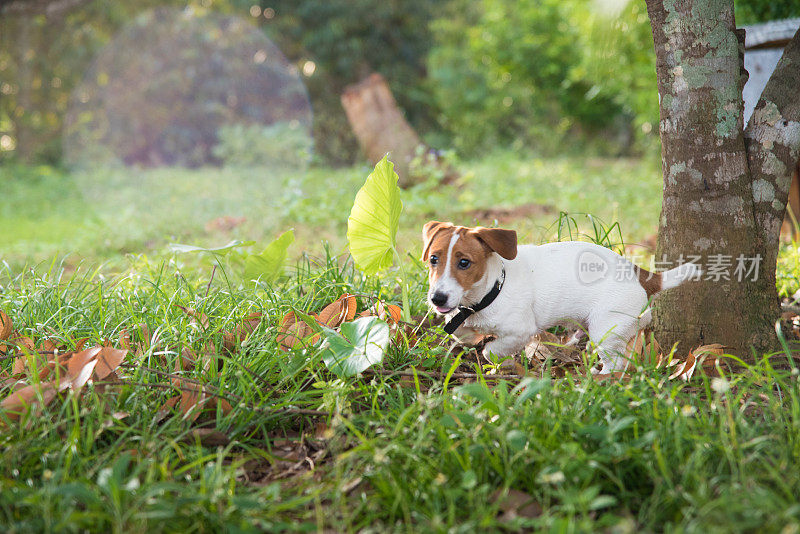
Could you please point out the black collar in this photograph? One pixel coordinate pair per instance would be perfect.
(465, 311)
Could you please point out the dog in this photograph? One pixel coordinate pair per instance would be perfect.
(487, 285)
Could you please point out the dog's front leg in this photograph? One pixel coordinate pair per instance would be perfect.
(506, 345)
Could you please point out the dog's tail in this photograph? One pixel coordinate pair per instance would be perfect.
(680, 274)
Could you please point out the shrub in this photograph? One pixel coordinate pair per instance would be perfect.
(283, 144)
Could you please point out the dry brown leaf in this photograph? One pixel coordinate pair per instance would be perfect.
(198, 317)
(108, 360)
(635, 351)
(293, 332)
(20, 364)
(390, 313)
(186, 361)
(80, 367)
(715, 349)
(685, 370)
(6, 326)
(25, 343)
(18, 401)
(515, 503)
(225, 406)
(339, 311)
(167, 407)
(125, 339)
(208, 437)
(55, 364)
(189, 404)
(616, 376)
(231, 340)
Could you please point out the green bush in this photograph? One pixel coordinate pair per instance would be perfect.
(538, 72)
(283, 144)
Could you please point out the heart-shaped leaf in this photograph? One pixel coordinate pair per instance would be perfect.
(268, 265)
(357, 346)
(372, 225)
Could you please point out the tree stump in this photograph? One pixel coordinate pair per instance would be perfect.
(379, 125)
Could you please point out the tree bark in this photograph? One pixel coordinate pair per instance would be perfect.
(772, 139)
(379, 125)
(715, 209)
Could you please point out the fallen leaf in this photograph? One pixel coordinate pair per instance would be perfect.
(293, 332)
(17, 402)
(167, 407)
(125, 339)
(198, 317)
(208, 437)
(108, 360)
(616, 376)
(390, 313)
(341, 310)
(634, 351)
(515, 503)
(20, 364)
(6, 326)
(715, 349)
(80, 367)
(686, 370)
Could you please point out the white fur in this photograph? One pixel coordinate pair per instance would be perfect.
(446, 283)
(544, 288)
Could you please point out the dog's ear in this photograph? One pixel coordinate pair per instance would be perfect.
(429, 231)
(504, 242)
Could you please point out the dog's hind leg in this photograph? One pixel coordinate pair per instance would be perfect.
(611, 334)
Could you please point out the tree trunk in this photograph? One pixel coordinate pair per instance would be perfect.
(722, 204)
(379, 125)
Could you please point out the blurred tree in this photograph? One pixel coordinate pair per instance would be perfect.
(750, 11)
(516, 71)
(339, 42)
(46, 46)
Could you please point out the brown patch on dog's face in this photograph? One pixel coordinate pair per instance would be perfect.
(456, 266)
(468, 259)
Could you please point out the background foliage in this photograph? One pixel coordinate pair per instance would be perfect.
(472, 75)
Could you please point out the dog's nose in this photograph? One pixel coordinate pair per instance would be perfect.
(439, 298)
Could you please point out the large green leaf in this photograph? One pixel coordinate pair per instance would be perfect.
(372, 225)
(268, 265)
(221, 251)
(357, 346)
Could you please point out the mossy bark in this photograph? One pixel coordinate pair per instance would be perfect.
(724, 193)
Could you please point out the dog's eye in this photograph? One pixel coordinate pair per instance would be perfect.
(434, 259)
(464, 263)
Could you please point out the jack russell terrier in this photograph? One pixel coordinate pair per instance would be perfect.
(487, 285)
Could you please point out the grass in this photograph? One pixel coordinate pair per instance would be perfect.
(104, 215)
(428, 441)
(428, 453)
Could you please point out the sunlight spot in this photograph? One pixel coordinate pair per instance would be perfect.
(7, 143)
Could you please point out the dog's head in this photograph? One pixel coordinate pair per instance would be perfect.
(457, 258)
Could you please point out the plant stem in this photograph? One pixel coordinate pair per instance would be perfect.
(403, 286)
